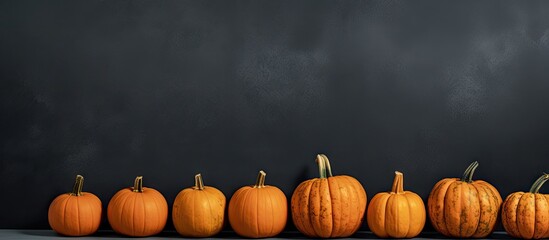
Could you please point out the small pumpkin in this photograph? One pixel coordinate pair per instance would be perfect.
(137, 211)
(329, 206)
(199, 211)
(463, 208)
(526, 215)
(76, 213)
(258, 211)
(396, 214)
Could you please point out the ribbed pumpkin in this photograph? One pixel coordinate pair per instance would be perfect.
(138, 211)
(258, 211)
(76, 213)
(526, 215)
(463, 208)
(396, 214)
(329, 206)
(199, 211)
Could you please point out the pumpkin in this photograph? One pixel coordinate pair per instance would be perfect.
(463, 208)
(199, 211)
(329, 206)
(396, 214)
(76, 213)
(258, 211)
(137, 211)
(526, 215)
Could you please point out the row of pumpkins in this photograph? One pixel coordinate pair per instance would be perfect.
(325, 207)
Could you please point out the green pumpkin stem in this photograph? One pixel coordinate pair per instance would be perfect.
(260, 182)
(327, 164)
(198, 183)
(538, 183)
(321, 165)
(138, 184)
(398, 183)
(77, 188)
(468, 174)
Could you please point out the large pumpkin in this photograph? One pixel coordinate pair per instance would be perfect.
(526, 215)
(138, 211)
(329, 206)
(396, 214)
(199, 211)
(76, 213)
(258, 211)
(463, 208)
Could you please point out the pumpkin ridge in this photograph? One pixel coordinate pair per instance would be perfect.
(446, 211)
(541, 198)
(307, 186)
(91, 212)
(336, 223)
(512, 218)
(521, 234)
(443, 213)
(209, 198)
(133, 214)
(121, 211)
(78, 212)
(144, 214)
(535, 203)
(256, 211)
(410, 214)
(437, 217)
(495, 206)
(331, 204)
(65, 212)
(356, 203)
(480, 207)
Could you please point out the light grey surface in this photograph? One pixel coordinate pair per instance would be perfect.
(48, 234)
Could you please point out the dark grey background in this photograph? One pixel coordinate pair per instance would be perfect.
(167, 89)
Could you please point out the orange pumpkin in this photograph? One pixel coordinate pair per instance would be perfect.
(526, 215)
(329, 206)
(463, 208)
(258, 211)
(396, 214)
(76, 213)
(199, 211)
(138, 211)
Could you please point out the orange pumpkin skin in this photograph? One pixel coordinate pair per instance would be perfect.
(75, 214)
(526, 215)
(199, 211)
(463, 208)
(329, 206)
(258, 211)
(137, 211)
(396, 214)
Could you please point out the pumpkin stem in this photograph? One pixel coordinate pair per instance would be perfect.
(538, 183)
(260, 182)
(138, 184)
(77, 188)
(398, 183)
(321, 165)
(468, 174)
(198, 183)
(327, 164)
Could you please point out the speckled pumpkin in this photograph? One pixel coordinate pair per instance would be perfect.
(329, 206)
(463, 208)
(526, 215)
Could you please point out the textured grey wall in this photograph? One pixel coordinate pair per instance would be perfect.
(166, 89)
